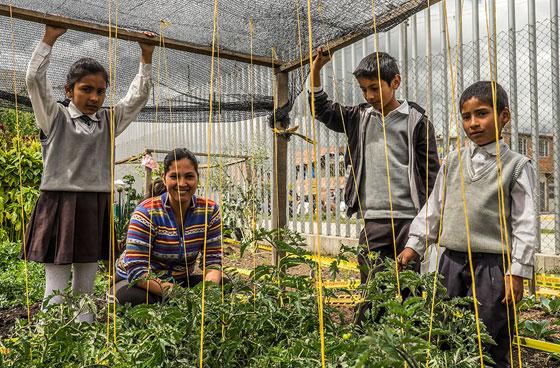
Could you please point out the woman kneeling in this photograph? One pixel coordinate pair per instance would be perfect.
(166, 235)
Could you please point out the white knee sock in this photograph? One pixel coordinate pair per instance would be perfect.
(57, 277)
(83, 280)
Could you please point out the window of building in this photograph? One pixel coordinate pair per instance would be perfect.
(543, 147)
(522, 145)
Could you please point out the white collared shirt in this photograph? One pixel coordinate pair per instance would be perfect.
(523, 219)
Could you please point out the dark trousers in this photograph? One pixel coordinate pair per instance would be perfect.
(377, 236)
(490, 290)
(134, 295)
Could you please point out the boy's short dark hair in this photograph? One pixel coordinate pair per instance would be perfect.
(483, 91)
(367, 68)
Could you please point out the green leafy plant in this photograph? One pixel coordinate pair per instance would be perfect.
(550, 306)
(267, 320)
(16, 195)
(124, 209)
(539, 330)
(13, 277)
(244, 188)
(9, 126)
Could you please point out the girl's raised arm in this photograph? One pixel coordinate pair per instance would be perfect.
(38, 86)
(138, 93)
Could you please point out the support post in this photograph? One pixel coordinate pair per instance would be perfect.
(555, 79)
(476, 40)
(403, 56)
(148, 177)
(279, 166)
(512, 47)
(534, 93)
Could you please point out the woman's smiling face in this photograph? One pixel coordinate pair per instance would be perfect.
(181, 181)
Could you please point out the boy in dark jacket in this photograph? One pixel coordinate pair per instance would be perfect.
(411, 155)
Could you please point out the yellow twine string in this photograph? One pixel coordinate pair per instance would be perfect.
(20, 172)
(209, 141)
(501, 200)
(316, 180)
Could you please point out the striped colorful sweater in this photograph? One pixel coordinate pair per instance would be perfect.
(153, 239)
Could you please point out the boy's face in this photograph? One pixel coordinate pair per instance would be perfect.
(478, 121)
(375, 92)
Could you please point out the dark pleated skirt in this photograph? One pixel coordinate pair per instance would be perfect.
(69, 227)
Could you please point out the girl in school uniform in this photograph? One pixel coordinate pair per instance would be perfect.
(69, 229)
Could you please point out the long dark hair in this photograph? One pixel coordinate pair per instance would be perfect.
(158, 186)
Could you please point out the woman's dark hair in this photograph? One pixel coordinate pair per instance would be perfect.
(82, 68)
(176, 155)
(157, 188)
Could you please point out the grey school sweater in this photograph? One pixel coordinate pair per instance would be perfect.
(77, 157)
(481, 193)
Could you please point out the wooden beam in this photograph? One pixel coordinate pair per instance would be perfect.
(134, 159)
(103, 30)
(384, 23)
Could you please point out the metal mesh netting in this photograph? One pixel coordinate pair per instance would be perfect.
(180, 77)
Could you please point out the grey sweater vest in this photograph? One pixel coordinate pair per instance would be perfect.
(481, 193)
(373, 188)
(77, 157)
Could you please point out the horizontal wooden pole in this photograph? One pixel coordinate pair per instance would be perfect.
(383, 24)
(103, 30)
(134, 158)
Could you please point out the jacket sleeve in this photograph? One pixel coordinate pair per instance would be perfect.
(427, 154)
(335, 116)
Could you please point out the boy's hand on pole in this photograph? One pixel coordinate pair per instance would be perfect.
(52, 34)
(321, 58)
(405, 257)
(514, 285)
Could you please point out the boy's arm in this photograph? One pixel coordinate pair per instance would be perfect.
(332, 114)
(127, 109)
(523, 224)
(424, 226)
(427, 138)
(335, 116)
(524, 234)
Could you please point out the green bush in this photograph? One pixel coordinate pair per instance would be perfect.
(12, 277)
(268, 320)
(16, 194)
(9, 126)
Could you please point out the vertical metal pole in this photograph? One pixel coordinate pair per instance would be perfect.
(387, 42)
(444, 70)
(429, 98)
(337, 139)
(460, 76)
(302, 176)
(476, 40)
(555, 80)
(493, 41)
(279, 213)
(459, 32)
(534, 110)
(414, 76)
(403, 58)
(512, 47)
(355, 97)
